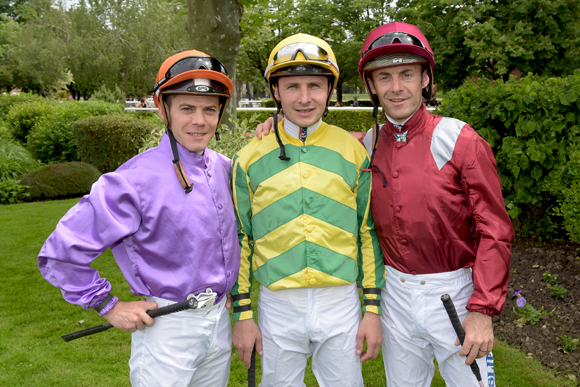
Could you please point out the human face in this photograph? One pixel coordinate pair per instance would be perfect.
(193, 120)
(303, 98)
(399, 89)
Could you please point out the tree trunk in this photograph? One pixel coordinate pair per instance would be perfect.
(214, 28)
(339, 91)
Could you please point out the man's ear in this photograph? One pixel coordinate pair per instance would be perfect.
(160, 112)
(276, 94)
(371, 85)
(425, 79)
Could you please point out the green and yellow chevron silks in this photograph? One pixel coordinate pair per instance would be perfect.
(307, 218)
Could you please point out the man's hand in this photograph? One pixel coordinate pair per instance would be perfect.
(131, 316)
(228, 301)
(245, 335)
(264, 128)
(370, 331)
(478, 336)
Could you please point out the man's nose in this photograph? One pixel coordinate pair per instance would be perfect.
(197, 117)
(304, 95)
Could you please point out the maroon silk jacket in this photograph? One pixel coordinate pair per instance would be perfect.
(437, 205)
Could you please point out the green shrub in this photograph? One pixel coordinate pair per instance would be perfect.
(349, 120)
(569, 201)
(23, 116)
(5, 133)
(12, 192)
(352, 120)
(59, 181)
(108, 141)
(15, 161)
(269, 103)
(7, 101)
(51, 139)
(112, 96)
(530, 125)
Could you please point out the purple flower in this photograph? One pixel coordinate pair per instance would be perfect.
(517, 293)
(521, 302)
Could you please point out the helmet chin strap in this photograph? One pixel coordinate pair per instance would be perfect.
(277, 133)
(177, 166)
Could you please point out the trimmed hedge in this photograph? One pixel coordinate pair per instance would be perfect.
(350, 120)
(533, 127)
(108, 141)
(23, 116)
(60, 181)
(347, 102)
(51, 139)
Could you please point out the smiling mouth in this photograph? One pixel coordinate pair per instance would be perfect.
(197, 134)
(304, 110)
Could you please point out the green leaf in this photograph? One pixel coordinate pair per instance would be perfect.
(536, 172)
(509, 104)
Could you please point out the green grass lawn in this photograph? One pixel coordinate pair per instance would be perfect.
(33, 315)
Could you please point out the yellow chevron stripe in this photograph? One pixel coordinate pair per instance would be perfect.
(307, 278)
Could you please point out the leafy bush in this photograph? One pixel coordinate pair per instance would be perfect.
(23, 116)
(15, 161)
(9, 100)
(5, 133)
(51, 139)
(111, 96)
(269, 103)
(570, 199)
(12, 192)
(108, 141)
(350, 120)
(531, 125)
(59, 181)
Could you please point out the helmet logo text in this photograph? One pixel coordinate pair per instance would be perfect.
(201, 88)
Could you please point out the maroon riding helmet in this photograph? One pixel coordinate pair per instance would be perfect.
(394, 44)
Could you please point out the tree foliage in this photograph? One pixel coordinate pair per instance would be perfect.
(342, 23)
(89, 44)
(491, 38)
(214, 28)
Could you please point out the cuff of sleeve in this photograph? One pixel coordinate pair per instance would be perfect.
(242, 307)
(372, 300)
(373, 309)
(489, 312)
(106, 305)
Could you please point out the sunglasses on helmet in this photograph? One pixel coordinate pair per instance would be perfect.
(310, 51)
(392, 37)
(189, 64)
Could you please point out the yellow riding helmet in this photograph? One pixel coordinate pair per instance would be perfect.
(301, 49)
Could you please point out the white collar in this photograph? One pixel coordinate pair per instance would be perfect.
(400, 124)
(294, 130)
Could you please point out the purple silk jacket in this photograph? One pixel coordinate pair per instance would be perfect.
(167, 243)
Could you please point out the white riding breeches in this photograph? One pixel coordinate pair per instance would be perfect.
(318, 322)
(416, 328)
(187, 348)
